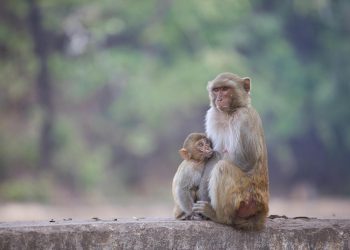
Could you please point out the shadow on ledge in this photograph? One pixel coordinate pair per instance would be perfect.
(162, 233)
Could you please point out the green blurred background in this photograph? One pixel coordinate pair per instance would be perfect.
(96, 97)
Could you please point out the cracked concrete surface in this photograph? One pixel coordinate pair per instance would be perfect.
(163, 233)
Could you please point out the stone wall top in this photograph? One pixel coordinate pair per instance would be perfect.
(163, 233)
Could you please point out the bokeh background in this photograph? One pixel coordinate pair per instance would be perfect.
(96, 98)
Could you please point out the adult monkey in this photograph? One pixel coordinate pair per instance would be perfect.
(234, 187)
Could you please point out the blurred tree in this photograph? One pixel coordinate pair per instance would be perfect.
(44, 85)
(318, 33)
(104, 92)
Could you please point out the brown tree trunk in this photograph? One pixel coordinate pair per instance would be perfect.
(44, 86)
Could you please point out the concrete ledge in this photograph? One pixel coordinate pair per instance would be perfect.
(163, 233)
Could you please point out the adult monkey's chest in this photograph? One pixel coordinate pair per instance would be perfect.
(227, 137)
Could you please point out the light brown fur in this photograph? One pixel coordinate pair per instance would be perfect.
(238, 183)
(188, 176)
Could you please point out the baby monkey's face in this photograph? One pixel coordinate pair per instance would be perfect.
(203, 146)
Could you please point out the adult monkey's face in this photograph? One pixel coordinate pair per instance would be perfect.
(223, 98)
(228, 92)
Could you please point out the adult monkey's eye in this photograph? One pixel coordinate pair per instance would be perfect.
(215, 90)
(225, 88)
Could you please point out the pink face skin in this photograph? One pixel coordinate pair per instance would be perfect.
(223, 98)
(203, 145)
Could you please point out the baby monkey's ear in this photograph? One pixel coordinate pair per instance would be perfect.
(185, 154)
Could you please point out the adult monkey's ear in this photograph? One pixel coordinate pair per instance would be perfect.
(246, 84)
(184, 154)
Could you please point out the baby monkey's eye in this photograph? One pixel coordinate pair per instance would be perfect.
(225, 88)
(200, 144)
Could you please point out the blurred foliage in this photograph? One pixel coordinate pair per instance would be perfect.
(128, 83)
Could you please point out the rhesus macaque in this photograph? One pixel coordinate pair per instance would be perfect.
(234, 189)
(195, 152)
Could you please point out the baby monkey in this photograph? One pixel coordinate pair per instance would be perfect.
(196, 151)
